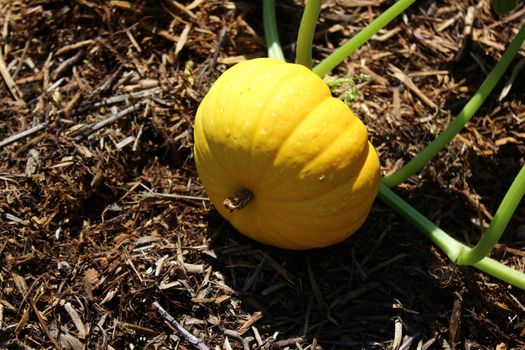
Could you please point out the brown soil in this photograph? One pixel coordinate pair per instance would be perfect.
(98, 220)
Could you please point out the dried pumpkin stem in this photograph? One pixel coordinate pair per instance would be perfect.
(238, 201)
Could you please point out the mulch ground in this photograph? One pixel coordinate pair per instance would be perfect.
(102, 212)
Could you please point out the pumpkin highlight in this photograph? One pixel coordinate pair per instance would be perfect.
(281, 159)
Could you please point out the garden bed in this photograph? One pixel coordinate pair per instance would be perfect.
(102, 212)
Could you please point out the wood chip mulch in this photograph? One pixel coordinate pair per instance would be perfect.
(107, 238)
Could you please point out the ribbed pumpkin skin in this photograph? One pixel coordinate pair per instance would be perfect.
(274, 129)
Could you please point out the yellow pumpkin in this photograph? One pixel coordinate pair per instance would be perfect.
(281, 159)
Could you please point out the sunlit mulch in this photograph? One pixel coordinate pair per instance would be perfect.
(102, 213)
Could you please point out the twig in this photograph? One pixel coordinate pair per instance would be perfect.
(74, 46)
(21, 60)
(108, 83)
(515, 72)
(66, 64)
(44, 326)
(182, 40)
(287, 342)
(124, 97)
(172, 195)
(402, 77)
(11, 85)
(222, 35)
(236, 335)
(88, 130)
(23, 134)
(198, 343)
(408, 342)
(398, 334)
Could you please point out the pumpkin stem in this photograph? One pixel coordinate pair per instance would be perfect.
(238, 201)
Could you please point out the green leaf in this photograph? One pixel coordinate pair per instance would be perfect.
(347, 85)
(504, 6)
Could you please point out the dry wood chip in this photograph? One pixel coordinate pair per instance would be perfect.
(227, 344)
(506, 140)
(217, 300)
(257, 335)
(398, 334)
(402, 77)
(9, 81)
(109, 296)
(379, 79)
(77, 321)
(123, 5)
(44, 326)
(183, 9)
(86, 152)
(72, 103)
(125, 142)
(147, 239)
(74, 46)
(182, 40)
(454, 323)
(194, 4)
(20, 283)
(387, 35)
(515, 72)
(138, 328)
(193, 268)
(221, 299)
(23, 134)
(359, 3)
(69, 342)
(23, 320)
(247, 325)
(144, 84)
(164, 286)
(159, 264)
(160, 32)
(92, 276)
(512, 16)
(481, 37)
(445, 24)
(65, 65)
(202, 300)
(38, 76)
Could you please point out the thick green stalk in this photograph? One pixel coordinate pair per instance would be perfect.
(360, 38)
(449, 245)
(417, 163)
(306, 33)
(499, 222)
(270, 30)
(452, 248)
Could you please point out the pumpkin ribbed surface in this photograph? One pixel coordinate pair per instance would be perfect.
(272, 128)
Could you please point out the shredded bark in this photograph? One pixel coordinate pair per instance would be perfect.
(102, 211)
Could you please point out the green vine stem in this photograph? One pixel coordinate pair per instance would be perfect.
(360, 38)
(417, 163)
(305, 37)
(451, 247)
(456, 251)
(499, 222)
(270, 30)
